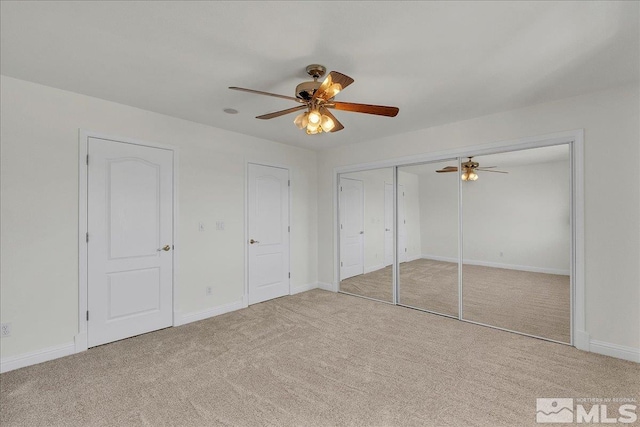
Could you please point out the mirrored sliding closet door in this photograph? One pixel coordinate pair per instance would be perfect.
(428, 237)
(516, 229)
(365, 222)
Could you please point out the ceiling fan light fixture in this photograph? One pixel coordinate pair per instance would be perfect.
(327, 123)
(316, 98)
(313, 131)
(302, 120)
(314, 117)
(313, 128)
(469, 175)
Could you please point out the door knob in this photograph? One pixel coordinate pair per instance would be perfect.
(253, 241)
(362, 232)
(165, 248)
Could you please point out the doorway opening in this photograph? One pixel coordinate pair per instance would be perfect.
(126, 238)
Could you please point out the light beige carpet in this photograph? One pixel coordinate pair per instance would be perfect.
(533, 303)
(313, 359)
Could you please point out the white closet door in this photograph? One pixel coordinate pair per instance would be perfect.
(268, 226)
(388, 224)
(402, 225)
(351, 228)
(130, 225)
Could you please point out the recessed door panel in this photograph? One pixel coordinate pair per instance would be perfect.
(133, 293)
(268, 213)
(134, 208)
(269, 264)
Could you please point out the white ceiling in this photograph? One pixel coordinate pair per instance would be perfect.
(439, 62)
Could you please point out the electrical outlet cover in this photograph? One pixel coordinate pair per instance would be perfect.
(6, 330)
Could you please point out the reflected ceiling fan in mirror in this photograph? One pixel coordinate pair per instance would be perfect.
(317, 98)
(469, 170)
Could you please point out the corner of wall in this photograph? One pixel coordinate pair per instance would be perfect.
(328, 287)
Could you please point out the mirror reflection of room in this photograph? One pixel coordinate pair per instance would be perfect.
(365, 209)
(517, 237)
(428, 238)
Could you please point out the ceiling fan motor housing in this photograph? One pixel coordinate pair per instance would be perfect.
(305, 90)
(470, 164)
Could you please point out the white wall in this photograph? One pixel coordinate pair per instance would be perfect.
(518, 220)
(439, 221)
(610, 120)
(39, 278)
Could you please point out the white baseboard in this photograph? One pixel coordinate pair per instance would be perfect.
(303, 288)
(499, 265)
(373, 268)
(80, 342)
(615, 350)
(439, 258)
(582, 340)
(327, 287)
(210, 312)
(20, 361)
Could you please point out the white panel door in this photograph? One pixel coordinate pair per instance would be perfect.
(268, 227)
(388, 224)
(351, 228)
(402, 226)
(130, 220)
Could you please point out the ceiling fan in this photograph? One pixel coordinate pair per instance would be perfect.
(469, 170)
(317, 98)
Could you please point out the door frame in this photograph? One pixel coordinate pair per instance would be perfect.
(81, 339)
(245, 297)
(575, 140)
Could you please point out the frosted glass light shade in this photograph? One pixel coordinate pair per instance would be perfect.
(327, 123)
(314, 117)
(302, 120)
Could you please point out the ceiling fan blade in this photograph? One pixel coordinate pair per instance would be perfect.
(495, 171)
(332, 85)
(448, 169)
(337, 125)
(282, 112)
(486, 167)
(378, 110)
(259, 92)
